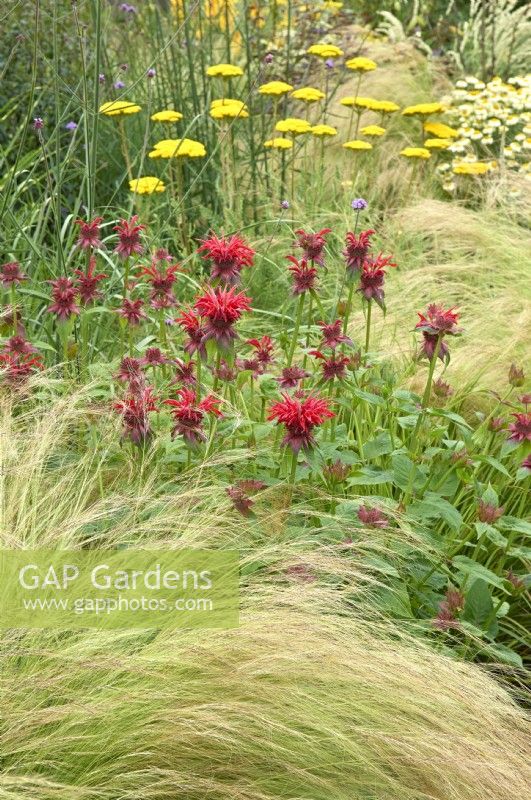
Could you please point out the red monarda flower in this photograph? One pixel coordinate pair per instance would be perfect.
(304, 275)
(89, 234)
(64, 293)
(154, 357)
(312, 245)
(10, 273)
(161, 279)
(448, 610)
(520, 430)
(184, 372)
(372, 517)
(228, 256)
(372, 278)
(19, 346)
(333, 366)
(332, 335)
(435, 324)
(188, 415)
(129, 237)
(488, 512)
(190, 322)
(135, 410)
(87, 282)
(291, 376)
(131, 310)
(263, 350)
(356, 250)
(130, 371)
(221, 309)
(300, 417)
(18, 368)
(239, 494)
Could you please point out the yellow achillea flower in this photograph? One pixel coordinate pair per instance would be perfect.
(115, 108)
(275, 88)
(373, 130)
(167, 115)
(472, 168)
(415, 152)
(361, 102)
(178, 148)
(224, 71)
(325, 51)
(293, 125)
(423, 109)
(361, 64)
(440, 130)
(384, 106)
(324, 130)
(279, 143)
(332, 5)
(146, 185)
(357, 144)
(437, 144)
(308, 94)
(227, 108)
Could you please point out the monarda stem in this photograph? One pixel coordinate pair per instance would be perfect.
(427, 390)
(296, 330)
(348, 308)
(368, 325)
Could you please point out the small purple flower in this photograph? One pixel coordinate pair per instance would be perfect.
(127, 8)
(71, 126)
(359, 204)
(329, 63)
(284, 205)
(38, 124)
(151, 72)
(119, 85)
(269, 58)
(101, 77)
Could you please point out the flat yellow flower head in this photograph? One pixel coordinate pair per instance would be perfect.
(357, 144)
(279, 143)
(146, 185)
(472, 168)
(308, 94)
(293, 125)
(437, 144)
(117, 108)
(324, 130)
(385, 106)
(228, 109)
(275, 88)
(167, 115)
(373, 130)
(332, 5)
(178, 148)
(361, 64)
(360, 102)
(423, 109)
(325, 51)
(415, 152)
(224, 71)
(440, 130)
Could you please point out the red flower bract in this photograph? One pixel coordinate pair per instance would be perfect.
(300, 416)
(188, 415)
(10, 273)
(221, 309)
(333, 366)
(312, 244)
(129, 237)
(372, 517)
(372, 277)
(304, 275)
(435, 324)
(64, 293)
(135, 410)
(229, 255)
(332, 335)
(87, 282)
(357, 249)
(131, 310)
(521, 429)
(18, 368)
(291, 376)
(190, 322)
(263, 351)
(161, 279)
(89, 234)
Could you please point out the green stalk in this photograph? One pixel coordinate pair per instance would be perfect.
(427, 390)
(368, 326)
(296, 330)
(96, 102)
(348, 308)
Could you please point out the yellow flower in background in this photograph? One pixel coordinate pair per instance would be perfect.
(178, 148)
(116, 108)
(357, 144)
(325, 51)
(373, 130)
(293, 125)
(360, 102)
(332, 5)
(440, 130)
(275, 88)
(146, 185)
(437, 144)
(168, 115)
(227, 108)
(279, 143)
(224, 71)
(472, 168)
(324, 130)
(361, 64)
(308, 94)
(423, 109)
(415, 152)
(385, 106)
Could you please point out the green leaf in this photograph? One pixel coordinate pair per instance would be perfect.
(372, 399)
(382, 445)
(505, 654)
(495, 464)
(370, 477)
(433, 506)
(515, 524)
(479, 609)
(470, 568)
(484, 529)
(406, 473)
(490, 496)
(243, 377)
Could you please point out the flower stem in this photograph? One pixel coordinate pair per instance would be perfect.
(348, 308)
(296, 330)
(368, 326)
(427, 390)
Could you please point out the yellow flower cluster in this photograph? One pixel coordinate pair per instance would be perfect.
(357, 144)
(227, 108)
(415, 152)
(117, 108)
(325, 51)
(323, 130)
(167, 115)
(178, 148)
(275, 88)
(308, 94)
(423, 110)
(373, 130)
(224, 71)
(146, 185)
(279, 143)
(293, 125)
(361, 64)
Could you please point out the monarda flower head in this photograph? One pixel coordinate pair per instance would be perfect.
(332, 334)
(129, 237)
(300, 416)
(130, 371)
(135, 409)
(435, 324)
(87, 282)
(184, 372)
(356, 251)
(304, 275)
(291, 376)
(372, 517)
(64, 294)
(10, 274)
(18, 368)
(89, 234)
(520, 429)
(449, 608)
(239, 494)
(131, 310)
(312, 245)
(19, 346)
(263, 350)
(220, 309)
(154, 357)
(228, 256)
(372, 278)
(188, 415)
(161, 279)
(333, 366)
